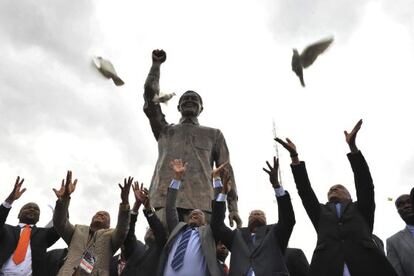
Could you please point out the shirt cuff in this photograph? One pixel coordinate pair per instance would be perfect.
(280, 191)
(217, 183)
(133, 212)
(175, 184)
(7, 205)
(221, 197)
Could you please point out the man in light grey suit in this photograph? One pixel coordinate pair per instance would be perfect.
(190, 249)
(400, 246)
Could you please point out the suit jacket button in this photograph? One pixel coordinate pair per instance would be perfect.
(340, 223)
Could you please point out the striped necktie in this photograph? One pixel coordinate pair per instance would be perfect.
(178, 258)
(21, 249)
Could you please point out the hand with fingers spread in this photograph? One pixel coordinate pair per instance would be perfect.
(145, 196)
(16, 193)
(273, 172)
(125, 189)
(67, 187)
(290, 146)
(179, 168)
(136, 188)
(351, 137)
(216, 173)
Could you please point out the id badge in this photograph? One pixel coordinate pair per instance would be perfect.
(87, 262)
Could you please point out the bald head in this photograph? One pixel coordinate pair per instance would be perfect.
(29, 213)
(101, 220)
(339, 194)
(196, 218)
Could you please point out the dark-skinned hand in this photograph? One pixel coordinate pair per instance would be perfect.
(16, 193)
(273, 172)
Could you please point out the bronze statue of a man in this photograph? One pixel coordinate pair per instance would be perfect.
(199, 146)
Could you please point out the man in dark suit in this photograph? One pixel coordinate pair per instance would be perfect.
(222, 252)
(400, 246)
(296, 262)
(143, 259)
(23, 247)
(258, 249)
(191, 248)
(54, 260)
(344, 227)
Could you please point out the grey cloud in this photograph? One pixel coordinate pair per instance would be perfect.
(311, 19)
(64, 28)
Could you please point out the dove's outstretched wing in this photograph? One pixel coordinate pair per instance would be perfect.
(311, 52)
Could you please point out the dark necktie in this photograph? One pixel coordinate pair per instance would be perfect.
(178, 258)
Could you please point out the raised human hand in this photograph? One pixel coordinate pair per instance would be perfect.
(273, 172)
(158, 56)
(217, 171)
(16, 193)
(125, 189)
(288, 145)
(67, 187)
(136, 188)
(351, 137)
(179, 168)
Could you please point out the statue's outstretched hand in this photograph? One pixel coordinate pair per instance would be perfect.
(234, 217)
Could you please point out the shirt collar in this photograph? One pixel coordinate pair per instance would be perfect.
(21, 225)
(192, 120)
(410, 228)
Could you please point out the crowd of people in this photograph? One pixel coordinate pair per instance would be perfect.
(200, 244)
(185, 209)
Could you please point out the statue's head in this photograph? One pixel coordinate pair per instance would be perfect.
(190, 104)
(29, 213)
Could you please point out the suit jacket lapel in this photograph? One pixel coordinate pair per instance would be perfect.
(260, 233)
(16, 233)
(408, 239)
(332, 207)
(174, 233)
(247, 237)
(344, 207)
(33, 232)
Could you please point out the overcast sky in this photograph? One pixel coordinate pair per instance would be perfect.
(58, 113)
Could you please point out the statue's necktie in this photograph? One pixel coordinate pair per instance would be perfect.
(178, 258)
(21, 249)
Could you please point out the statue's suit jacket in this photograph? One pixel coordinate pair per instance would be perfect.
(40, 240)
(266, 254)
(200, 146)
(106, 241)
(400, 252)
(208, 245)
(347, 238)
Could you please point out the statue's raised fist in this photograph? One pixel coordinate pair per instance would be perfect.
(159, 56)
